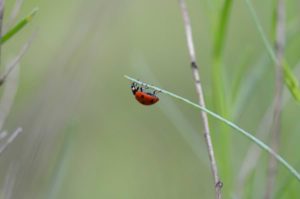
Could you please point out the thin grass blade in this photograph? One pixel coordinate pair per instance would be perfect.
(19, 26)
(248, 135)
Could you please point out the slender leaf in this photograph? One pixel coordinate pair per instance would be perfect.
(290, 80)
(21, 24)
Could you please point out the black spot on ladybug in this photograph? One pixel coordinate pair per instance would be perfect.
(142, 96)
(152, 101)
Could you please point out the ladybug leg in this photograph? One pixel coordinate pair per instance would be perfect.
(156, 91)
(146, 86)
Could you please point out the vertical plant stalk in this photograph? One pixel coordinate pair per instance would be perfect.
(275, 136)
(1, 15)
(195, 71)
(1, 22)
(220, 102)
(219, 41)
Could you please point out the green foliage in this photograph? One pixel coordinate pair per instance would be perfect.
(220, 102)
(125, 150)
(19, 26)
(290, 80)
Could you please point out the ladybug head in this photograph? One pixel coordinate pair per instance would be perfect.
(134, 88)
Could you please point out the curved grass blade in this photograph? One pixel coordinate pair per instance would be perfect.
(248, 135)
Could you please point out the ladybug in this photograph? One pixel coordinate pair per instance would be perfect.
(144, 98)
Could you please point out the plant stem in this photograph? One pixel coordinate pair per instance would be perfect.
(201, 101)
(275, 136)
(17, 59)
(9, 140)
(258, 142)
(1, 22)
(1, 16)
(217, 73)
(289, 78)
(218, 95)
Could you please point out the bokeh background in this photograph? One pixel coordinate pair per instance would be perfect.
(84, 134)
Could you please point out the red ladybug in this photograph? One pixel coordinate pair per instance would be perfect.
(143, 97)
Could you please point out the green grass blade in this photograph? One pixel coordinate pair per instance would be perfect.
(220, 33)
(290, 80)
(22, 23)
(262, 34)
(227, 122)
(220, 99)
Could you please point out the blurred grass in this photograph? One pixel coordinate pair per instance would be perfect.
(74, 72)
(220, 100)
(22, 23)
(289, 78)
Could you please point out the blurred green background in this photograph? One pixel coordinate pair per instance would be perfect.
(84, 134)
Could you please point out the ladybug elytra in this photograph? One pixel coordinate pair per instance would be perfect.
(145, 98)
